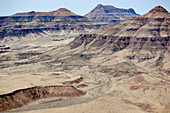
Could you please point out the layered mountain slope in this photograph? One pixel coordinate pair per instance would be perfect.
(22, 24)
(110, 14)
(59, 12)
(118, 68)
(146, 38)
(141, 44)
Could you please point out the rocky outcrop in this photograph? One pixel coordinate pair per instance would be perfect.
(59, 12)
(115, 43)
(153, 27)
(22, 97)
(110, 14)
(4, 49)
(147, 37)
(22, 24)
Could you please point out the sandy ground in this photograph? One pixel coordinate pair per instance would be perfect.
(113, 84)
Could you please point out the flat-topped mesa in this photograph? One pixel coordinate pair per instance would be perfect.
(23, 24)
(110, 14)
(147, 25)
(138, 32)
(143, 39)
(59, 12)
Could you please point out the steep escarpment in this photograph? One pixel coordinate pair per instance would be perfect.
(152, 27)
(114, 43)
(123, 64)
(145, 37)
(22, 24)
(22, 97)
(110, 14)
(59, 12)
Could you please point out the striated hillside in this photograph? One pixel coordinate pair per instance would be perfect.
(147, 39)
(21, 97)
(110, 14)
(142, 42)
(123, 67)
(22, 24)
(59, 12)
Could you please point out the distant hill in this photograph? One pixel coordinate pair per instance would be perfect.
(146, 38)
(59, 12)
(110, 14)
(22, 24)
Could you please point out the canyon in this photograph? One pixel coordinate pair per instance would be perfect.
(123, 67)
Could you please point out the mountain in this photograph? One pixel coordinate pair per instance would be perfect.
(141, 43)
(110, 14)
(22, 24)
(59, 12)
(123, 67)
(147, 38)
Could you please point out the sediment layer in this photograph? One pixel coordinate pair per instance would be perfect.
(23, 97)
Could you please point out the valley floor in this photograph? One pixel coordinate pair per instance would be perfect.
(113, 84)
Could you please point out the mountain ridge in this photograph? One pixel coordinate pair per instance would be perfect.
(123, 64)
(22, 24)
(110, 14)
(152, 15)
(147, 38)
(59, 12)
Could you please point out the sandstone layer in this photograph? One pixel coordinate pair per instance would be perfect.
(146, 37)
(110, 14)
(22, 24)
(122, 67)
(22, 97)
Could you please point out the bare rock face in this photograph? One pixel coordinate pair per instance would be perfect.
(142, 31)
(110, 14)
(22, 24)
(158, 9)
(59, 12)
(123, 67)
(147, 37)
(22, 97)
(143, 41)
